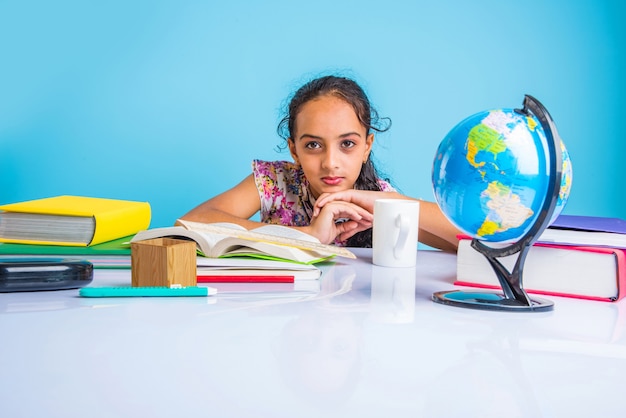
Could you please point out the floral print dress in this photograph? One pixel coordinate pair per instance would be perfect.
(284, 193)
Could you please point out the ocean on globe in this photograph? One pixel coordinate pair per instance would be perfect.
(490, 175)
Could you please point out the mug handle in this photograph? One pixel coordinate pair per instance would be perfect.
(403, 224)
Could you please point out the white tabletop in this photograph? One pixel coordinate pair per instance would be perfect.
(370, 343)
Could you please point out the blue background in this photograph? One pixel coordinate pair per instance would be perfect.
(169, 101)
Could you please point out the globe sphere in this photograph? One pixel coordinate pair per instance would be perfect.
(491, 175)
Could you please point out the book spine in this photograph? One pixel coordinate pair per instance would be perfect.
(120, 223)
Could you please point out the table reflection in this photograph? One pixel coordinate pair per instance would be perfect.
(393, 295)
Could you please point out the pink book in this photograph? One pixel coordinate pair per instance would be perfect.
(584, 272)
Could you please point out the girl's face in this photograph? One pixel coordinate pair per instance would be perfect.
(330, 144)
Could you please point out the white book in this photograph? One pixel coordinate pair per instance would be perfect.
(573, 271)
(255, 267)
(580, 237)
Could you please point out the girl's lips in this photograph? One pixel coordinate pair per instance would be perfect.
(332, 181)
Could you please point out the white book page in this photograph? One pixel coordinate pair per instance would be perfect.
(251, 263)
(212, 238)
(574, 237)
(279, 251)
(282, 231)
(280, 235)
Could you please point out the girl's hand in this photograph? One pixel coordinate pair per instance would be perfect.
(434, 229)
(362, 198)
(339, 220)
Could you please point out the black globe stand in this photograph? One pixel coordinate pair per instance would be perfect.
(513, 296)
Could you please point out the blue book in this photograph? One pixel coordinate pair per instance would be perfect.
(590, 223)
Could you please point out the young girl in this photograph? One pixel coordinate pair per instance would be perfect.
(330, 188)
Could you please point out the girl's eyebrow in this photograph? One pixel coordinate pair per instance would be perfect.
(310, 136)
(350, 134)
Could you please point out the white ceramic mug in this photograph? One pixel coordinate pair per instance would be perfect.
(394, 237)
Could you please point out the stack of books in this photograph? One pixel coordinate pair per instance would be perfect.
(577, 256)
(91, 228)
(227, 252)
(112, 254)
(101, 231)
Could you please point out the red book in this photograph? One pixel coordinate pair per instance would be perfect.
(233, 278)
(584, 272)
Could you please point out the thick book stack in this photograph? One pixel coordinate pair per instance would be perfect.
(110, 254)
(273, 242)
(253, 270)
(72, 220)
(228, 253)
(95, 229)
(577, 256)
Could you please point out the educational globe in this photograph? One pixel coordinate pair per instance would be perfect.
(491, 175)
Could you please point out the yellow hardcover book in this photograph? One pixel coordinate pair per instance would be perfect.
(72, 220)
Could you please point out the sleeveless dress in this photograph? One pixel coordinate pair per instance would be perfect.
(284, 192)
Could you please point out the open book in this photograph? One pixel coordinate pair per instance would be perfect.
(274, 242)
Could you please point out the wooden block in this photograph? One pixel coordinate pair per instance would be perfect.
(163, 262)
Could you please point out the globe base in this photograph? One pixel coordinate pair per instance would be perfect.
(490, 301)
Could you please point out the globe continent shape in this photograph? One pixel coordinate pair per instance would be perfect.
(490, 175)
